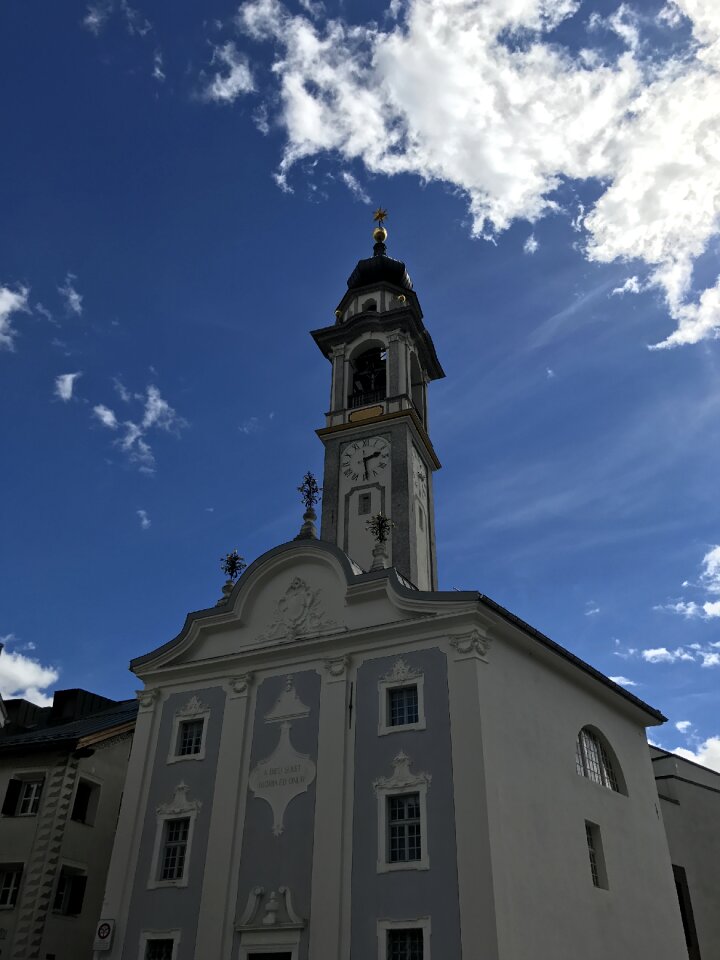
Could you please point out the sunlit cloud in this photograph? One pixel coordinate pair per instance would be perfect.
(233, 77)
(64, 385)
(485, 98)
(73, 299)
(11, 301)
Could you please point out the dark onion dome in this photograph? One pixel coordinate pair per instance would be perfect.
(380, 267)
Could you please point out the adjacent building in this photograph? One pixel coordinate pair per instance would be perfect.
(337, 761)
(62, 770)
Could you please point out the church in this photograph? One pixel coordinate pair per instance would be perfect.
(338, 761)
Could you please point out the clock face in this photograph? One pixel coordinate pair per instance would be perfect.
(365, 460)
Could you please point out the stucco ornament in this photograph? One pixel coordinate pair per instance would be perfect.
(180, 803)
(193, 707)
(299, 613)
(288, 705)
(473, 642)
(147, 698)
(336, 667)
(240, 684)
(401, 672)
(281, 777)
(269, 909)
(402, 776)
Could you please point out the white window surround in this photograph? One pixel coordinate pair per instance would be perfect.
(179, 807)
(401, 675)
(270, 941)
(419, 923)
(402, 781)
(146, 935)
(194, 709)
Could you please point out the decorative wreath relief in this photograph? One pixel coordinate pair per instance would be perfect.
(299, 613)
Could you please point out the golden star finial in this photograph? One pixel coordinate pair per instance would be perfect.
(380, 215)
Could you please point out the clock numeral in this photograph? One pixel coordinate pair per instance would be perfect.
(346, 472)
(366, 443)
(356, 476)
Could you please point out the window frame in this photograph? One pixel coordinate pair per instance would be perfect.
(402, 675)
(146, 935)
(402, 783)
(23, 778)
(406, 822)
(194, 709)
(93, 800)
(613, 781)
(16, 870)
(69, 871)
(417, 923)
(596, 855)
(179, 808)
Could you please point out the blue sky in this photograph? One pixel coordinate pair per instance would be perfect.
(185, 189)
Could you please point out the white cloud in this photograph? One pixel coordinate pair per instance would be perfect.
(226, 87)
(591, 608)
(251, 425)
(623, 681)
(11, 301)
(710, 582)
(530, 246)
(683, 726)
(550, 374)
(137, 24)
(354, 186)
(157, 414)
(631, 285)
(708, 753)
(73, 299)
(482, 97)
(97, 16)
(25, 677)
(158, 71)
(106, 416)
(695, 652)
(64, 385)
(144, 519)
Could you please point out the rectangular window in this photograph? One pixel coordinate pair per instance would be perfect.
(10, 877)
(29, 798)
(159, 949)
(364, 504)
(403, 705)
(174, 849)
(595, 854)
(405, 944)
(403, 823)
(86, 801)
(70, 892)
(686, 912)
(190, 735)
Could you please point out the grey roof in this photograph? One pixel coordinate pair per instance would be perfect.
(68, 733)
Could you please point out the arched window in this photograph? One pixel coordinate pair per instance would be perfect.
(370, 305)
(368, 378)
(592, 760)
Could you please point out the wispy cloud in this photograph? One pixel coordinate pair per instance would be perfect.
(355, 187)
(25, 677)
(631, 285)
(73, 299)
(530, 246)
(708, 582)
(157, 415)
(591, 608)
(233, 77)
(683, 726)
(249, 426)
(106, 416)
(144, 519)
(158, 67)
(623, 681)
(97, 16)
(64, 385)
(11, 301)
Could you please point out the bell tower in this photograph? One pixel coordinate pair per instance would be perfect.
(378, 454)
